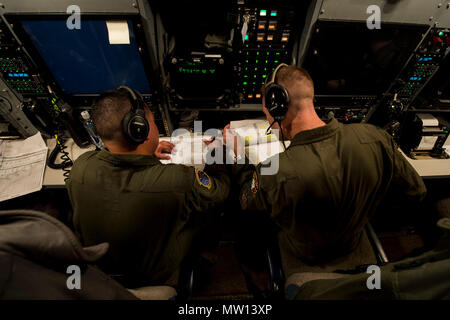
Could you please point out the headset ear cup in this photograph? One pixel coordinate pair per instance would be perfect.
(276, 100)
(136, 127)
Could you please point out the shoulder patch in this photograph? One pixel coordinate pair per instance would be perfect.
(203, 179)
(255, 184)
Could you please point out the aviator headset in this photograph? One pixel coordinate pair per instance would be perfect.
(276, 96)
(135, 126)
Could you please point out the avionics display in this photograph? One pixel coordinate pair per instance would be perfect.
(200, 79)
(424, 65)
(83, 61)
(347, 58)
(15, 67)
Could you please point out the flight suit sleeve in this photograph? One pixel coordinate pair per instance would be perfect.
(210, 188)
(252, 197)
(406, 183)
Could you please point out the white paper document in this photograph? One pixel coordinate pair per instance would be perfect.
(22, 166)
(118, 32)
(259, 146)
(189, 150)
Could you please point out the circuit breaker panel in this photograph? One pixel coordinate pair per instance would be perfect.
(267, 33)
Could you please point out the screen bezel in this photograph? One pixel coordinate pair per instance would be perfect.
(419, 29)
(47, 75)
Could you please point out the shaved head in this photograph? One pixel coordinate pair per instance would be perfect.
(297, 82)
(301, 114)
(107, 113)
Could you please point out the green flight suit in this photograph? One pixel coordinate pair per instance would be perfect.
(147, 211)
(424, 277)
(330, 180)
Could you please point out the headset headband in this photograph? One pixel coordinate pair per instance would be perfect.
(132, 94)
(274, 74)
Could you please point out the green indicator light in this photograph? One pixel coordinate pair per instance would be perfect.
(247, 52)
(276, 61)
(203, 71)
(267, 53)
(263, 82)
(257, 61)
(245, 76)
(246, 61)
(245, 82)
(257, 53)
(267, 61)
(246, 37)
(264, 75)
(254, 82)
(254, 76)
(263, 12)
(277, 53)
(256, 69)
(441, 34)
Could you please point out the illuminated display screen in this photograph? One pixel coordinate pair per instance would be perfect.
(196, 71)
(83, 61)
(18, 75)
(195, 68)
(205, 78)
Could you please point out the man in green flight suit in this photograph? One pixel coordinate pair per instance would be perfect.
(331, 178)
(149, 213)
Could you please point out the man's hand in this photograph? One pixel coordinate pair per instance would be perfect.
(163, 150)
(212, 143)
(232, 140)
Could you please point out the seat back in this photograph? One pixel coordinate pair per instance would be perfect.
(363, 256)
(154, 293)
